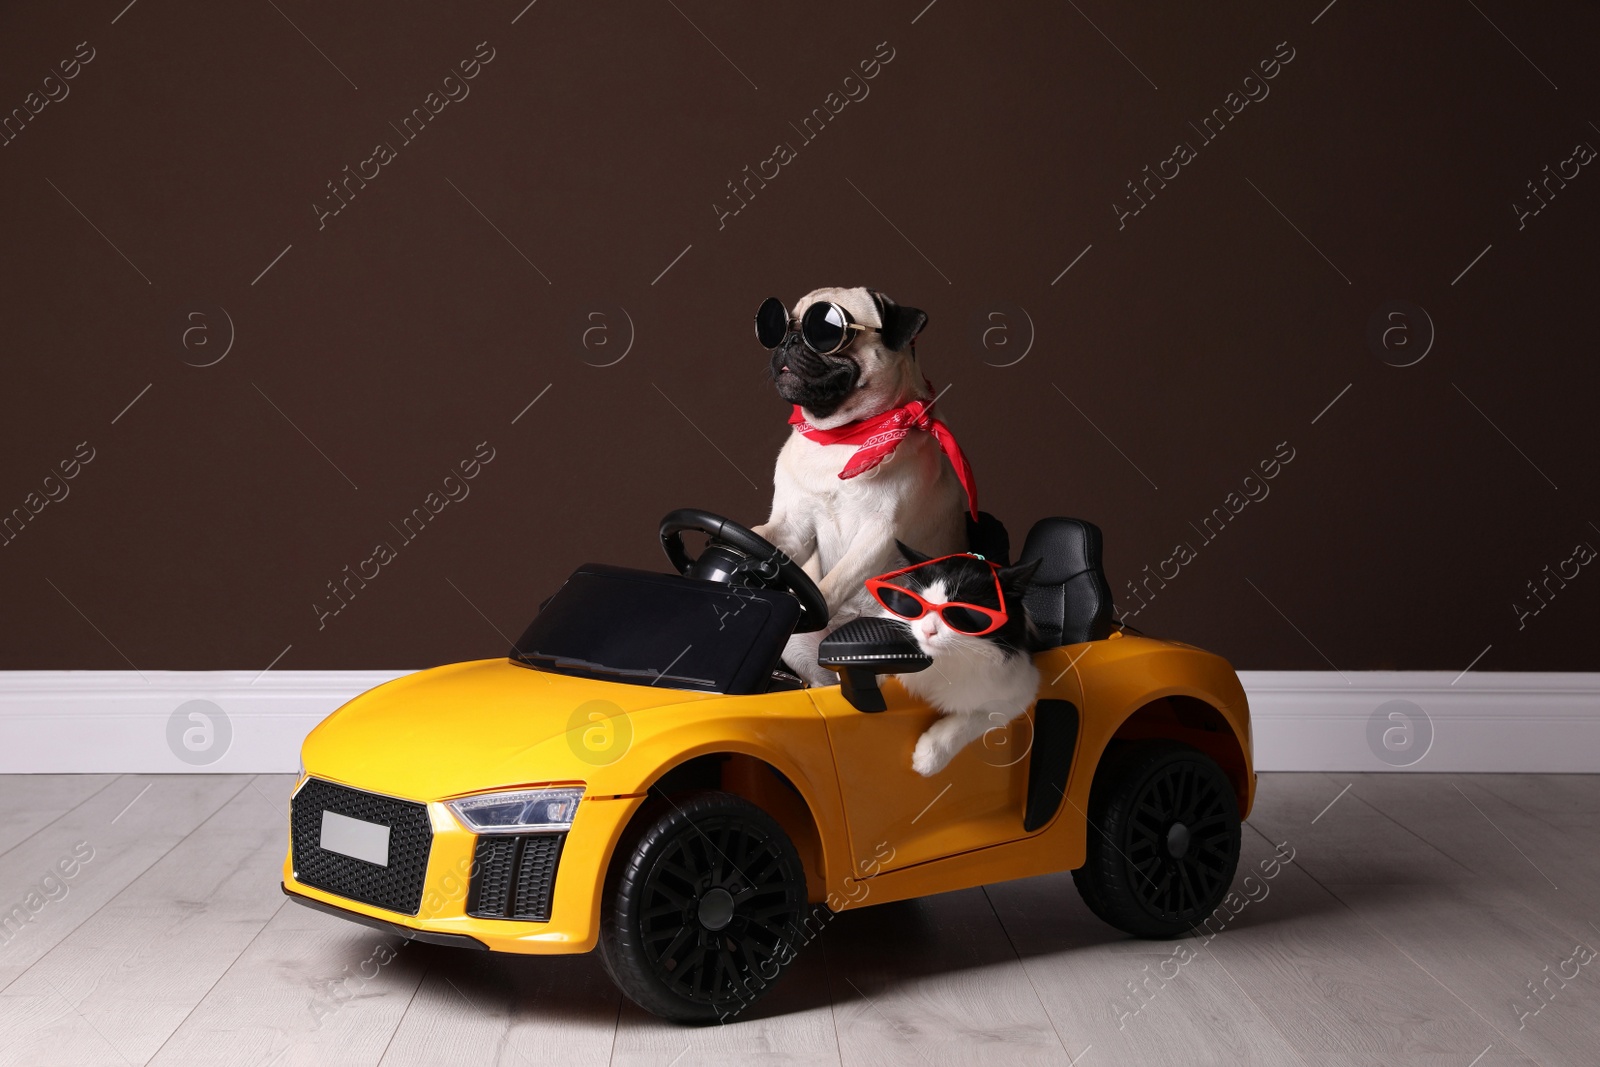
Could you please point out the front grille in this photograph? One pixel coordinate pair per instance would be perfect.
(397, 886)
(514, 876)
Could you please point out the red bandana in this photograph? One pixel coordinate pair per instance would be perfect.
(880, 435)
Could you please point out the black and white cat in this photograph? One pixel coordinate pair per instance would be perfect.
(978, 682)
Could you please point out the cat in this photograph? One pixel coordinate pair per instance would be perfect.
(977, 682)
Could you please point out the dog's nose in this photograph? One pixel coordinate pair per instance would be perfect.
(801, 359)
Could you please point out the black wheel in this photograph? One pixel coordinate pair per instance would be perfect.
(702, 907)
(1163, 840)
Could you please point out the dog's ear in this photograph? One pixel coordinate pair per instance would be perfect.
(900, 324)
(912, 556)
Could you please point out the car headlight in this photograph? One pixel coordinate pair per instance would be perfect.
(525, 811)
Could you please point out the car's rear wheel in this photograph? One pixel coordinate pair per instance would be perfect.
(1163, 839)
(702, 907)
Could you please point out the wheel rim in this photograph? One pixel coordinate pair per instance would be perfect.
(717, 907)
(1180, 843)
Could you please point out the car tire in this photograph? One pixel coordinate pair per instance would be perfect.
(1163, 839)
(702, 907)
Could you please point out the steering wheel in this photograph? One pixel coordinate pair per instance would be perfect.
(738, 556)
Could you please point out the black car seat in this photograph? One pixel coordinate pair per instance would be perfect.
(1068, 598)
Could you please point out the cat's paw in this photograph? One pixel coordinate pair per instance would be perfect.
(929, 757)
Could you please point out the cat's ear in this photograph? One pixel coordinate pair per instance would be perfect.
(1015, 579)
(912, 556)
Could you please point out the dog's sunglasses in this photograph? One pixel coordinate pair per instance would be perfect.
(826, 328)
(973, 620)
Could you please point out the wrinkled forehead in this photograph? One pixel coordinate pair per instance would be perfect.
(857, 301)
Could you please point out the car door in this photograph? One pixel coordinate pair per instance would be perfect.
(897, 817)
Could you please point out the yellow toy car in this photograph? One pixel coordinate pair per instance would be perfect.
(642, 775)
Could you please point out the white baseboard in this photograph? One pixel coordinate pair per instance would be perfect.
(1505, 721)
(62, 722)
(120, 721)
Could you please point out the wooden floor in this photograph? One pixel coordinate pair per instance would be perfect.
(1446, 920)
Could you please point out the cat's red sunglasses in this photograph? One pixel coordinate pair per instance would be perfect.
(974, 620)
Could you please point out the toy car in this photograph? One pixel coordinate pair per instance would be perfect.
(641, 774)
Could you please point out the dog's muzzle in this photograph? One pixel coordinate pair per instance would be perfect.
(820, 384)
(794, 355)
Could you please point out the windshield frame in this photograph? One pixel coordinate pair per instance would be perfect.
(635, 627)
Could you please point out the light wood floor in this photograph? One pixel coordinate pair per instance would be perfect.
(1417, 916)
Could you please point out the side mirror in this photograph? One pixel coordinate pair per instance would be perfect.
(862, 649)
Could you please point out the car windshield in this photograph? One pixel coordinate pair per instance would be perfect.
(640, 628)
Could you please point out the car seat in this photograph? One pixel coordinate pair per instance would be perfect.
(1068, 598)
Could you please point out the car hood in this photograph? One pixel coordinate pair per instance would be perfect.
(468, 727)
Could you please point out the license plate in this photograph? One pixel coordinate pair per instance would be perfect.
(355, 838)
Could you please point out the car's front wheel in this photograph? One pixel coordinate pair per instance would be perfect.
(1163, 839)
(702, 909)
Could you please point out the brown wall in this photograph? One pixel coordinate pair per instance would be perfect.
(1196, 335)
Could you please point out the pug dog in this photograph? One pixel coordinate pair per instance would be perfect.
(867, 464)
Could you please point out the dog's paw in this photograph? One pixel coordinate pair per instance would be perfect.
(817, 676)
(929, 757)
